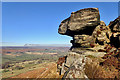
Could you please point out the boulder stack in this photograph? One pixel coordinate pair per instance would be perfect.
(90, 37)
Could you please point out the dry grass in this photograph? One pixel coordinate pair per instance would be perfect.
(93, 70)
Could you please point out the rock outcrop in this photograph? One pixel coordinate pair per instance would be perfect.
(92, 40)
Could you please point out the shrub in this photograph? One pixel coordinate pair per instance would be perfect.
(19, 67)
(5, 70)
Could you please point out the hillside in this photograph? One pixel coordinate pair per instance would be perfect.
(48, 70)
(19, 60)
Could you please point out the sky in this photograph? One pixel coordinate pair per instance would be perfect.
(38, 22)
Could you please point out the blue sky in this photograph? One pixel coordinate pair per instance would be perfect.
(38, 22)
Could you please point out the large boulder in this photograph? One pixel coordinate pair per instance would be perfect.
(80, 22)
(83, 19)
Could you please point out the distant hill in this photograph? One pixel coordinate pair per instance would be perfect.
(48, 45)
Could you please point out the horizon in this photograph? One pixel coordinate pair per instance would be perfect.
(38, 45)
(38, 22)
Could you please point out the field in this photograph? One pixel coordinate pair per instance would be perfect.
(36, 62)
(47, 70)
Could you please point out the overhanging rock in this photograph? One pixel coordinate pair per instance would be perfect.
(80, 22)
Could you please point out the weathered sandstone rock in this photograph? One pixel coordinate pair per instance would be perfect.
(84, 19)
(63, 27)
(102, 34)
(115, 28)
(92, 40)
(80, 22)
(115, 25)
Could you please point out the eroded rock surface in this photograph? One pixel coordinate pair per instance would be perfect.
(80, 22)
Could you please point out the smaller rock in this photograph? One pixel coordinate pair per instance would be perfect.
(83, 40)
(102, 34)
(115, 40)
(115, 25)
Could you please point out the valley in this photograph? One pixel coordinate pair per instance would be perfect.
(31, 62)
